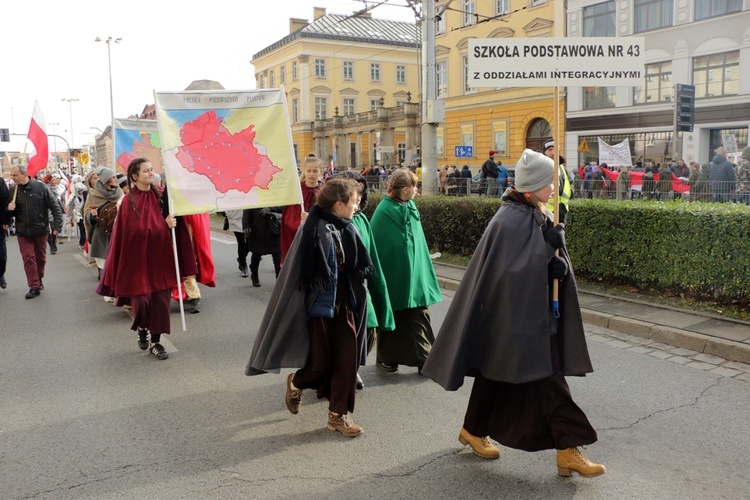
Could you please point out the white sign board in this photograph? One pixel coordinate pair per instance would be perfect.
(556, 62)
(617, 155)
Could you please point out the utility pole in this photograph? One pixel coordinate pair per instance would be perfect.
(428, 151)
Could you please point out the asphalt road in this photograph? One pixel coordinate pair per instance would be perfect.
(85, 414)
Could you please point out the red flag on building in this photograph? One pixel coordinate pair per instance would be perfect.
(38, 137)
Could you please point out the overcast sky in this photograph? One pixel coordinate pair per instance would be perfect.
(49, 54)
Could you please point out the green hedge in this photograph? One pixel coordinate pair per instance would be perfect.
(698, 249)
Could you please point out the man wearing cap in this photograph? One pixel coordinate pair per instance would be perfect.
(489, 172)
(31, 201)
(565, 189)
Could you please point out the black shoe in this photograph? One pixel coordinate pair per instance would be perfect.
(33, 292)
(196, 306)
(386, 367)
(142, 339)
(243, 268)
(3, 283)
(256, 281)
(158, 351)
(360, 383)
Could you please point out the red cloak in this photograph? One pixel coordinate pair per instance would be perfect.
(291, 217)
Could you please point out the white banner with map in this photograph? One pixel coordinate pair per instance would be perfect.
(227, 150)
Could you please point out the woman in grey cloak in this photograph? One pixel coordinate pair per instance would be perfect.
(500, 329)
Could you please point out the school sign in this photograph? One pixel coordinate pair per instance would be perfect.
(556, 62)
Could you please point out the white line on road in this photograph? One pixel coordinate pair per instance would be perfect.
(221, 238)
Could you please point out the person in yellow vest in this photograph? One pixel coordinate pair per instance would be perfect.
(565, 189)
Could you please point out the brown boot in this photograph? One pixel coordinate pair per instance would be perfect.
(293, 396)
(482, 446)
(343, 424)
(572, 460)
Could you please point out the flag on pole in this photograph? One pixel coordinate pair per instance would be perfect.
(330, 166)
(38, 137)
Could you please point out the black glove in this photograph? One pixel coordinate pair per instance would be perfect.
(557, 268)
(555, 237)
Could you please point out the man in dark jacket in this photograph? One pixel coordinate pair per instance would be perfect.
(489, 172)
(4, 224)
(30, 202)
(722, 176)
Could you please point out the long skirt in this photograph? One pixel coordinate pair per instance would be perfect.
(411, 341)
(539, 415)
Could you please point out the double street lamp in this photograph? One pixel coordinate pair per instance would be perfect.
(109, 61)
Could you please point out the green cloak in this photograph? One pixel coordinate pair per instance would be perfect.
(379, 313)
(404, 256)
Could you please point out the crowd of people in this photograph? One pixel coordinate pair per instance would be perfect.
(347, 285)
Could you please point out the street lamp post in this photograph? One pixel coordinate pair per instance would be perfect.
(54, 134)
(70, 102)
(109, 62)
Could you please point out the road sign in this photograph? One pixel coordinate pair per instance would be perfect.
(584, 146)
(83, 158)
(464, 152)
(72, 162)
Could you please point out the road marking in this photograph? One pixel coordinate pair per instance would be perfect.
(82, 260)
(222, 238)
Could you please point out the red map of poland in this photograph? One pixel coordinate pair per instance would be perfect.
(230, 161)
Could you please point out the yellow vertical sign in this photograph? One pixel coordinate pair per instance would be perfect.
(584, 146)
(83, 158)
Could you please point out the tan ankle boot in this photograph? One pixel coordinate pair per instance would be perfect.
(343, 424)
(572, 460)
(481, 445)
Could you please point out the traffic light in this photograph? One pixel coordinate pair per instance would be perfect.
(4, 135)
(685, 107)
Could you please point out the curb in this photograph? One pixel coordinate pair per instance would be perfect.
(731, 351)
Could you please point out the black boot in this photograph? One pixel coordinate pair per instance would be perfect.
(242, 267)
(254, 277)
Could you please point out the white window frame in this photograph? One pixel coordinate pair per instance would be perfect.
(375, 72)
(441, 79)
(348, 67)
(295, 71)
(321, 107)
(295, 110)
(401, 74)
(320, 68)
(349, 106)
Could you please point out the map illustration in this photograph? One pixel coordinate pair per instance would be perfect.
(226, 150)
(136, 139)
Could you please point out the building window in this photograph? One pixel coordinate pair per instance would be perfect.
(712, 8)
(441, 79)
(271, 80)
(469, 10)
(440, 143)
(439, 22)
(320, 68)
(658, 84)
(502, 7)
(467, 88)
(599, 19)
(401, 150)
(261, 82)
(374, 104)
(295, 76)
(598, 97)
(653, 14)
(282, 75)
(375, 72)
(716, 75)
(348, 70)
(400, 104)
(467, 135)
(295, 110)
(321, 104)
(348, 106)
(400, 74)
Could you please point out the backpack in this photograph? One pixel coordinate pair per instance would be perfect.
(107, 213)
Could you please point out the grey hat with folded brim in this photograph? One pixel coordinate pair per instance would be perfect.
(533, 171)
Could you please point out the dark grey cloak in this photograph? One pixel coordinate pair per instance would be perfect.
(500, 320)
(283, 340)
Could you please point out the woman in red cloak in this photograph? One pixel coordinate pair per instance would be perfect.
(293, 215)
(136, 267)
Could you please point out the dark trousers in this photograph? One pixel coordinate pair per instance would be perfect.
(332, 362)
(81, 233)
(255, 262)
(3, 251)
(34, 255)
(151, 311)
(52, 240)
(242, 250)
(534, 416)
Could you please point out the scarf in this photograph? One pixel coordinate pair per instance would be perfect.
(315, 274)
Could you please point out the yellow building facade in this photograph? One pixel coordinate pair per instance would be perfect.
(340, 74)
(503, 120)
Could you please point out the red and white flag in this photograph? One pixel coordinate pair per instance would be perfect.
(38, 137)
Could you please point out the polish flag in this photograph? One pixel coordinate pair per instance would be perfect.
(38, 137)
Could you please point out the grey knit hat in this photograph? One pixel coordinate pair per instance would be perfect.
(533, 171)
